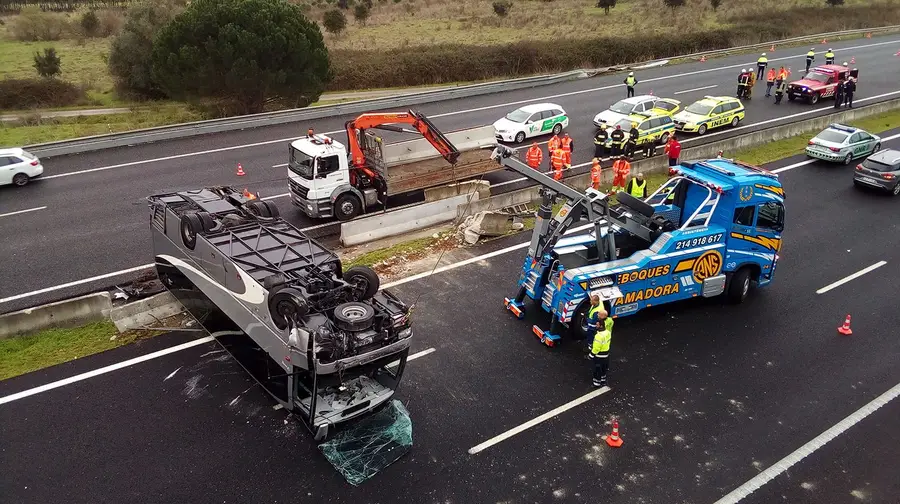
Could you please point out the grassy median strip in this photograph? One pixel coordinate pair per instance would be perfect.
(24, 354)
(780, 149)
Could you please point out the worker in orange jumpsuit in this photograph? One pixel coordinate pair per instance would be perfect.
(559, 161)
(534, 156)
(770, 81)
(566, 143)
(553, 144)
(596, 174)
(621, 169)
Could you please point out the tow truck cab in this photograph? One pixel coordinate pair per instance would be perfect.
(717, 228)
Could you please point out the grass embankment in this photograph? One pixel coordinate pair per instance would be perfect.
(787, 147)
(24, 354)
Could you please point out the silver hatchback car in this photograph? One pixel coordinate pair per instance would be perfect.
(881, 170)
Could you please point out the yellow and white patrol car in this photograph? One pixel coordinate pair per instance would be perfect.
(655, 126)
(665, 106)
(708, 113)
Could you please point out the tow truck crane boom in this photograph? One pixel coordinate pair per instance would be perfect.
(385, 120)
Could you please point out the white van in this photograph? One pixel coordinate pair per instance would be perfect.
(18, 166)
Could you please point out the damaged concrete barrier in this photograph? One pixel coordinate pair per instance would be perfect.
(483, 187)
(145, 312)
(71, 312)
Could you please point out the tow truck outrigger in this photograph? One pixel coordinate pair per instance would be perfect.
(714, 227)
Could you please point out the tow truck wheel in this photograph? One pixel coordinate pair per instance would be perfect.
(364, 280)
(701, 130)
(814, 99)
(354, 316)
(346, 207)
(739, 287)
(578, 329)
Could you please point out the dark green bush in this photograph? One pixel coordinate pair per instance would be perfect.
(18, 94)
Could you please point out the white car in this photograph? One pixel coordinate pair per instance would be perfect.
(18, 166)
(530, 121)
(624, 108)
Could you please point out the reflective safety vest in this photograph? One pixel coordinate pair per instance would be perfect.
(781, 87)
(553, 144)
(596, 173)
(762, 61)
(601, 137)
(811, 55)
(559, 159)
(770, 77)
(534, 156)
(637, 188)
(630, 81)
(566, 143)
(829, 55)
(602, 340)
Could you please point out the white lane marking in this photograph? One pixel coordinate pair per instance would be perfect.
(744, 491)
(8, 214)
(502, 105)
(695, 89)
(413, 357)
(76, 282)
(282, 165)
(282, 195)
(535, 421)
(103, 370)
(849, 278)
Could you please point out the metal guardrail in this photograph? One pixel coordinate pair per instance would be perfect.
(98, 142)
(149, 135)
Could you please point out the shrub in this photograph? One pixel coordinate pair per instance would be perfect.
(343, 4)
(47, 64)
(246, 54)
(361, 13)
(38, 93)
(501, 7)
(129, 54)
(674, 4)
(834, 3)
(33, 25)
(715, 4)
(90, 24)
(334, 21)
(606, 5)
(111, 23)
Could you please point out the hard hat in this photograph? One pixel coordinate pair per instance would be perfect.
(630, 73)
(813, 49)
(743, 70)
(602, 125)
(764, 54)
(829, 49)
(634, 125)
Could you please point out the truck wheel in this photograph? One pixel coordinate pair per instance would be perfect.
(287, 305)
(557, 129)
(364, 280)
(354, 316)
(347, 206)
(191, 226)
(739, 287)
(814, 99)
(701, 130)
(20, 179)
(520, 137)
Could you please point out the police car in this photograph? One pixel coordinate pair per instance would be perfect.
(710, 112)
(531, 120)
(624, 108)
(840, 143)
(658, 127)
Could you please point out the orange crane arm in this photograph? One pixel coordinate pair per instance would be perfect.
(382, 120)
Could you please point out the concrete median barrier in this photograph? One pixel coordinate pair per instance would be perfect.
(482, 187)
(68, 313)
(145, 312)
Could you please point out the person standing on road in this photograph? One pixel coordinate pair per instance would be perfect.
(567, 143)
(810, 56)
(618, 138)
(829, 57)
(849, 89)
(637, 187)
(780, 89)
(761, 65)
(600, 142)
(621, 169)
(596, 174)
(743, 82)
(534, 156)
(673, 150)
(631, 145)
(560, 161)
(630, 82)
(553, 144)
(600, 350)
(770, 81)
(839, 93)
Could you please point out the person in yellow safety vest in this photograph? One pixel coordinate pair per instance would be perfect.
(810, 56)
(567, 143)
(600, 349)
(630, 82)
(559, 161)
(637, 187)
(596, 173)
(829, 57)
(593, 318)
(534, 156)
(761, 65)
(553, 144)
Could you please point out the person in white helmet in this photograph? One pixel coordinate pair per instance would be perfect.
(761, 65)
(630, 82)
(743, 82)
(810, 56)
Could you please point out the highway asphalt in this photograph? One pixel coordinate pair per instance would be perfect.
(708, 395)
(91, 216)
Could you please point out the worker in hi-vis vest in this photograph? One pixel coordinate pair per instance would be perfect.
(637, 187)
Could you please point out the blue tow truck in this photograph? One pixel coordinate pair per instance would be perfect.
(714, 228)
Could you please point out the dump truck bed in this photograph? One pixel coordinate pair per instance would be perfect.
(414, 164)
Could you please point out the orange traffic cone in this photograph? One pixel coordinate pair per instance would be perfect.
(613, 439)
(772, 49)
(845, 329)
(702, 59)
(240, 171)
(824, 41)
(852, 60)
(869, 35)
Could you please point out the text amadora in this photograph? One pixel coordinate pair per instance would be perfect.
(648, 293)
(644, 274)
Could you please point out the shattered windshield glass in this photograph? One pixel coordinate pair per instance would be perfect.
(364, 448)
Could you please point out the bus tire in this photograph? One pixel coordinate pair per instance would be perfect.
(364, 280)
